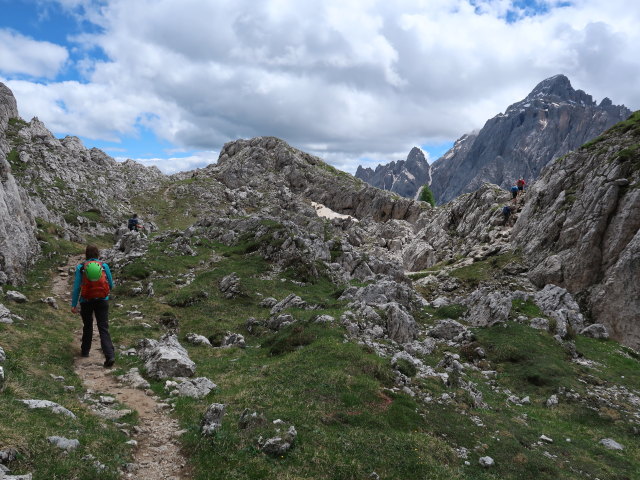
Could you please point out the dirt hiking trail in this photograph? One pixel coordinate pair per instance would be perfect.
(157, 454)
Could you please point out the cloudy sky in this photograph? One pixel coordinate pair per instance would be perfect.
(357, 82)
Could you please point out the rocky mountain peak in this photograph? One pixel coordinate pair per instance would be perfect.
(559, 88)
(416, 155)
(551, 121)
(404, 177)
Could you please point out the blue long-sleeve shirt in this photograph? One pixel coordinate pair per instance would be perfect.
(77, 282)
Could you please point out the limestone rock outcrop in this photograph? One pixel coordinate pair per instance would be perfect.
(580, 229)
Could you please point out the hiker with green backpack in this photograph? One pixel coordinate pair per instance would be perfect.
(91, 287)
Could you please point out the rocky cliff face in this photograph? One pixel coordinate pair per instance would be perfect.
(580, 228)
(18, 244)
(404, 177)
(552, 120)
(59, 181)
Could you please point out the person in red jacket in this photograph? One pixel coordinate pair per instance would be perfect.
(91, 287)
(521, 183)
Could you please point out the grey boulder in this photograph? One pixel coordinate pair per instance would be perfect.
(212, 419)
(165, 358)
(64, 443)
(190, 387)
(595, 330)
(448, 330)
(15, 296)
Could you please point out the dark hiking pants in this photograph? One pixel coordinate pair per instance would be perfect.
(101, 310)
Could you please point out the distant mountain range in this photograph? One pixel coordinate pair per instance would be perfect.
(404, 177)
(551, 121)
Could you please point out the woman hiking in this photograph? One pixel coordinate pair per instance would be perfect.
(91, 287)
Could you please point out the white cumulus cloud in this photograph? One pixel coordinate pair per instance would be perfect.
(343, 79)
(23, 55)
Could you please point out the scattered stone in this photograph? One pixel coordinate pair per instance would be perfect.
(5, 315)
(447, 329)
(546, 439)
(8, 455)
(440, 302)
(595, 330)
(15, 296)
(277, 446)
(69, 388)
(291, 301)
(28, 476)
(552, 401)
(212, 419)
(230, 286)
(50, 301)
(54, 407)
(424, 347)
(106, 400)
(557, 303)
(233, 340)
(169, 321)
(250, 419)
(451, 362)
(268, 302)
(325, 319)
(57, 378)
(133, 378)
(610, 444)
(3, 356)
(64, 443)
(195, 339)
(486, 462)
(190, 387)
(165, 358)
(280, 321)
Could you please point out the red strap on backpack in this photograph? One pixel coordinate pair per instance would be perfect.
(90, 290)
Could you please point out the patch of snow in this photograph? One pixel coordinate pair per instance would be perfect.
(326, 212)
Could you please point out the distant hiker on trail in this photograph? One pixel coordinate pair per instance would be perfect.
(91, 286)
(520, 184)
(514, 193)
(134, 223)
(506, 213)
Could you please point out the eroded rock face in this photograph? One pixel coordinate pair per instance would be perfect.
(581, 229)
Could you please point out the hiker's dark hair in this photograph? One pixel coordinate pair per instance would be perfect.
(92, 252)
(135, 215)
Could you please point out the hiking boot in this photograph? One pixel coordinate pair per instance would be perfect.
(109, 362)
(84, 355)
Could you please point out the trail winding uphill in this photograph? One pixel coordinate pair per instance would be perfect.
(156, 453)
